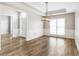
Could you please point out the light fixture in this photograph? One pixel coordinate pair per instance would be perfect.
(24, 15)
(45, 18)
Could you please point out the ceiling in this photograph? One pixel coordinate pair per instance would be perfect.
(38, 5)
(55, 7)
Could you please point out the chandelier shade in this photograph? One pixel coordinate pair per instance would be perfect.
(45, 18)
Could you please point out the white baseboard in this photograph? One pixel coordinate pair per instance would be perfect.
(61, 36)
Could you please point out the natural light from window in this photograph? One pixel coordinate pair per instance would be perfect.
(57, 26)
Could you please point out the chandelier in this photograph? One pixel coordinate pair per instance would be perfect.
(45, 18)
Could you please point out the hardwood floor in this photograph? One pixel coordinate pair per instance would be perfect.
(43, 46)
(62, 47)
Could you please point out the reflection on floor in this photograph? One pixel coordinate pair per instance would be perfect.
(43, 46)
(62, 47)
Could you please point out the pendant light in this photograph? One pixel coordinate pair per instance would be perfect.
(45, 18)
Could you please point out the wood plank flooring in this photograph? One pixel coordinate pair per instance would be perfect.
(43, 46)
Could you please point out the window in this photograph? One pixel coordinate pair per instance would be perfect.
(57, 26)
(53, 26)
(61, 26)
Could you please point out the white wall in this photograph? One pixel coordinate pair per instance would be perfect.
(34, 26)
(4, 24)
(7, 11)
(77, 28)
(32, 22)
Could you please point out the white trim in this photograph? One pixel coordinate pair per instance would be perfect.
(22, 6)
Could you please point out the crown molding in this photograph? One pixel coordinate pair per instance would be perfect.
(31, 7)
(22, 6)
